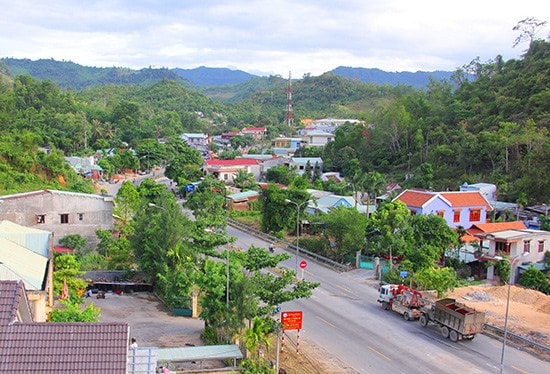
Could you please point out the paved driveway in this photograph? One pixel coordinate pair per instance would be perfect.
(150, 321)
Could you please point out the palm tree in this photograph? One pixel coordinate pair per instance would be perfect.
(244, 180)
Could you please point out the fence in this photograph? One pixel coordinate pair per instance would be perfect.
(304, 252)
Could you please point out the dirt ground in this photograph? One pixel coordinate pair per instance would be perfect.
(528, 313)
(152, 324)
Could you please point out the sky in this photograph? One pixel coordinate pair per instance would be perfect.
(271, 37)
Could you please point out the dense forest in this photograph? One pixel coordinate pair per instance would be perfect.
(493, 128)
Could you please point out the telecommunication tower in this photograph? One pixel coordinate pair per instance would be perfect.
(289, 116)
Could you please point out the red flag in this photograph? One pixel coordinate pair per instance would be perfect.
(64, 290)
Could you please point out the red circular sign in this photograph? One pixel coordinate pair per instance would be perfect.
(303, 264)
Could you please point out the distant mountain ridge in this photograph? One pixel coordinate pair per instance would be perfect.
(68, 74)
(418, 79)
(205, 76)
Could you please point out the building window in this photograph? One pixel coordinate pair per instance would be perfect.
(81, 216)
(502, 247)
(441, 213)
(413, 212)
(40, 218)
(526, 246)
(475, 215)
(64, 218)
(456, 216)
(541, 246)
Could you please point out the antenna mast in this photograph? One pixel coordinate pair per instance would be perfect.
(289, 116)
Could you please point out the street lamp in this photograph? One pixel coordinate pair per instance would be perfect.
(298, 206)
(511, 261)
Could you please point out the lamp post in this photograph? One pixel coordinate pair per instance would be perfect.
(511, 261)
(298, 206)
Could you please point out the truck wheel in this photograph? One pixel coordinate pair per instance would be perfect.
(445, 332)
(453, 335)
(423, 321)
(406, 316)
(386, 306)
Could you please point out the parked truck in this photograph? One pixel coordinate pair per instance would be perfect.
(401, 299)
(456, 320)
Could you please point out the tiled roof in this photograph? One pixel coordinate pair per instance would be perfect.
(486, 228)
(418, 199)
(49, 347)
(235, 162)
(415, 198)
(84, 348)
(465, 198)
(10, 294)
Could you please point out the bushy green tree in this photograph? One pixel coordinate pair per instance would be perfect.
(535, 279)
(72, 312)
(389, 230)
(435, 278)
(345, 227)
(74, 241)
(431, 238)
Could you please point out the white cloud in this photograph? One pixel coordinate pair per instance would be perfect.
(305, 36)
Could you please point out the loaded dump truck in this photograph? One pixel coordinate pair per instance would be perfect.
(401, 299)
(456, 320)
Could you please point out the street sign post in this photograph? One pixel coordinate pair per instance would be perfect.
(303, 266)
(292, 320)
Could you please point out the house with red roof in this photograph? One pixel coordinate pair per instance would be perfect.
(226, 170)
(458, 208)
(510, 240)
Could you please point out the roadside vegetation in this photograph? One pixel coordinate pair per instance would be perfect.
(490, 124)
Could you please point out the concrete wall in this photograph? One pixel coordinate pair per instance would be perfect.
(85, 212)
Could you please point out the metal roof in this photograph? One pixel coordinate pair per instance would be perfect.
(202, 353)
(23, 263)
(33, 239)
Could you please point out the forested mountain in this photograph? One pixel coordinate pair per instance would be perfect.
(491, 129)
(204, 76)
(67, 74)
(419, 79)
(215, 82)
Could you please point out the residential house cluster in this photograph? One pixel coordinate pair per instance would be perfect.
(469, 210)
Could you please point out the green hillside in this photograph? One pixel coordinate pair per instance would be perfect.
(492, 129)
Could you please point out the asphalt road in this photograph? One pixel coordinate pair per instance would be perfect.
(344, 320)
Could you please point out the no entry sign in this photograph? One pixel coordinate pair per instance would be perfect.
(303, 264)
(292, 320)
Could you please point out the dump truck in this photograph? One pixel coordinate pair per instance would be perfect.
(401, 299)
(456, 320)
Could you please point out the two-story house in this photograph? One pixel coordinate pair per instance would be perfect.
(257, 133)
(59, 212)
(303, 163)
(458, 208)
(511, 240)
(198, 141)
(226, 170)
(317, 138)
